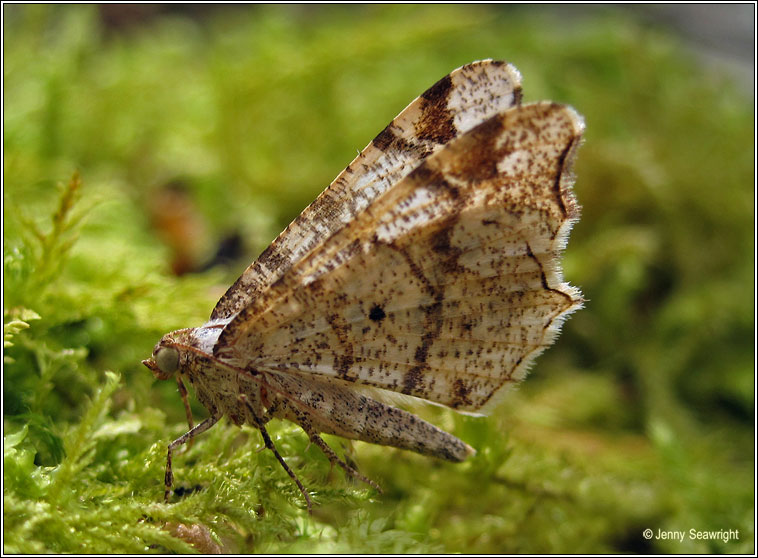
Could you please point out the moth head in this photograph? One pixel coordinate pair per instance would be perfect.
(164, 363)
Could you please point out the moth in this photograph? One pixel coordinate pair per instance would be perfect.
(430, 267)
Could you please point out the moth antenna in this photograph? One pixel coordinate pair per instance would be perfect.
(270, 445)
(187, 409)
(199, 429)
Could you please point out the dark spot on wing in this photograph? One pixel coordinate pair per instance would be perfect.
(462, 393)
(388, 141)
(384, 139)
(421, 353)
(436, 121)
(342, 364)
(438, 92)
(412, 379)
(518, 94)
(434, 180)
(481, 163)
(440, 241)
(376, 314)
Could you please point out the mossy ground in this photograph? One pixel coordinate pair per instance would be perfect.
(641, 416)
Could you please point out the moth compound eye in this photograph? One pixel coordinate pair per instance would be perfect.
(167, 359)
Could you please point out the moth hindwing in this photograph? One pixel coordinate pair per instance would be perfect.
(430, 267)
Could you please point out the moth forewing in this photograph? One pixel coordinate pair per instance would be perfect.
(452, 106)
(463, 290)
(429, 268)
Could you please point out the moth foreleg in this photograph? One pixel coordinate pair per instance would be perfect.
(199, 429)
(187, 409)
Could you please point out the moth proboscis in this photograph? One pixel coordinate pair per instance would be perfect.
(430, 267)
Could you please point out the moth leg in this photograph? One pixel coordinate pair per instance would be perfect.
(270, 445)
(199, 429)
(187, 410)
(268, 415)
(314, 437)
(260, 425)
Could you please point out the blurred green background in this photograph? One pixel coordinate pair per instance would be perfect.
(198, 133)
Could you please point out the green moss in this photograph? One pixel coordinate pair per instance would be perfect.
(640, 417)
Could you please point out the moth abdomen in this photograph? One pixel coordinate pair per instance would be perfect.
(400, 429)
(334, 408)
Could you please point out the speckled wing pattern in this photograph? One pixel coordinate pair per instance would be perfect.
(430, 267)
(461, 100)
